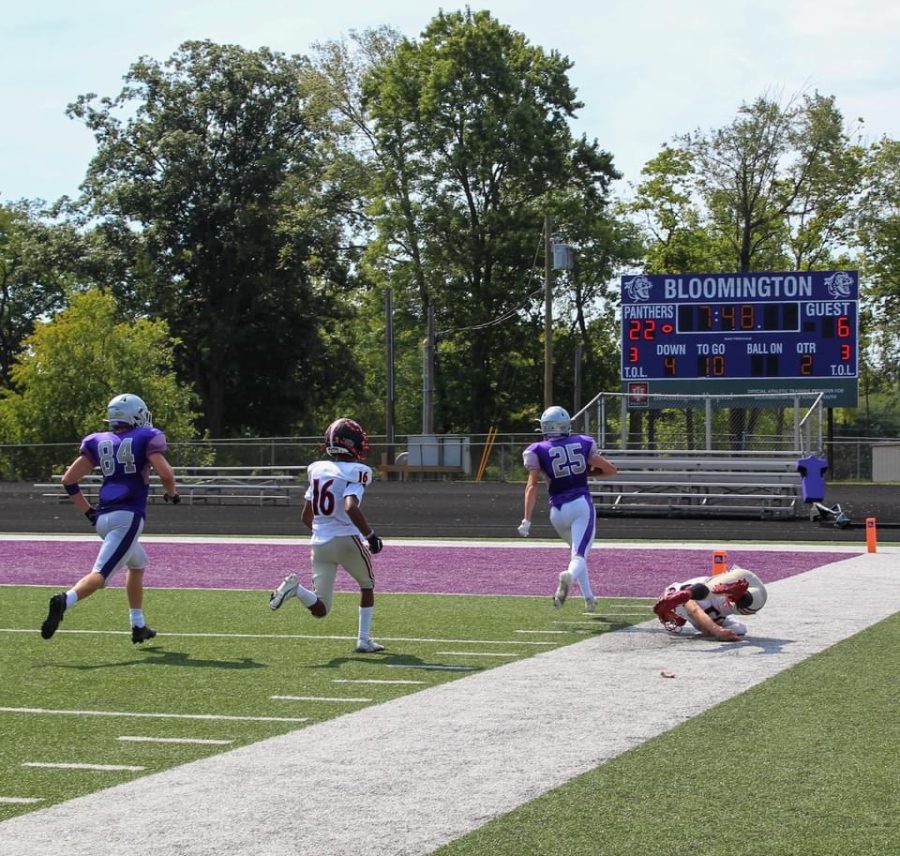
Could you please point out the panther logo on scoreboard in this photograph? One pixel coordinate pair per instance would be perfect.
(638, 288)
(839, 285)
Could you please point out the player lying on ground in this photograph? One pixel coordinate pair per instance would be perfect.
(710, 604)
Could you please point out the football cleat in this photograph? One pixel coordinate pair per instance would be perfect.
(54, 615)
(142, 634)
(368, 646)
(590, 604)
(562, 590)
(288, 588)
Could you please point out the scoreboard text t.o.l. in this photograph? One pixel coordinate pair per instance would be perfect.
(744, 334)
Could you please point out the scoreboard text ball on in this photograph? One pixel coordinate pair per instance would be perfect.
(744, 334)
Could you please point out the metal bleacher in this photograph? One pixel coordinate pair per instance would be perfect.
(218, 485)
(695, 483)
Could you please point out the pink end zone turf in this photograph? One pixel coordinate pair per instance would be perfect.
(437, 569)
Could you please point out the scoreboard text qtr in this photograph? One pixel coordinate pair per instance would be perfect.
(799, 325)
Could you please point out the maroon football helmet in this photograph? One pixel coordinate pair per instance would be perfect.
(346, 437)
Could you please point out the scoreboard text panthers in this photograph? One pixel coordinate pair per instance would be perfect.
(752, 333)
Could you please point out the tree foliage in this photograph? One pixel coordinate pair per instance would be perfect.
(880, 238)
(39, 261)
(71, 366)
(470, 128)
(775, 189)
(229, 191)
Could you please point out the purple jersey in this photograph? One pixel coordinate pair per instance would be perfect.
(124, 462)
(564, 461)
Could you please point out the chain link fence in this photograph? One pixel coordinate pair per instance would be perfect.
(617, 421)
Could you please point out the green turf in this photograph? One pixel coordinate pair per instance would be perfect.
(225, 653)
(804, 764)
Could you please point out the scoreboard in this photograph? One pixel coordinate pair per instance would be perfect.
(751, 334)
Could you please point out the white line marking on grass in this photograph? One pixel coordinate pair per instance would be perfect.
(316, 698)
(432, 668)
(371, 681)
(110, 767)
(20, 800)
(199, 741)
(476, 654)
(128, 714)
(545, 632)
(305, 637)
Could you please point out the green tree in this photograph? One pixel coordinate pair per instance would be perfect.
(74, 363)
(39, 260)
(470, 125)
(229, 191)
(879, 236)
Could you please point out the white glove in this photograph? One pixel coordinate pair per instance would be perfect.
(524, 528)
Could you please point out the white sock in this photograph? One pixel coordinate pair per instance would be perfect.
(307, 597)
(137, 617)
(365, 621)
(578, 569)
(71, 598)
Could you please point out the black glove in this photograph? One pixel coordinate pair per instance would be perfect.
(91, 515)
(375, 543)
(174, 498)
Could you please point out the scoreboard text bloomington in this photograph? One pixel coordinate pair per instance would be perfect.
(742, 333)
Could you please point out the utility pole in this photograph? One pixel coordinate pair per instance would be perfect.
(428, 375)
(389, 356)
(548, 313)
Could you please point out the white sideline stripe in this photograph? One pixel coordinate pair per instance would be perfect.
(191, 740)
(476, 654)
(371, 681)
(317, 698)
(813, 545)
(43, 711)
(427, 668)
(132, 768)
(166, 635)
(437, 750)
(20, 800)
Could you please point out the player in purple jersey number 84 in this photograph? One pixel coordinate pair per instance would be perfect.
(125, 454)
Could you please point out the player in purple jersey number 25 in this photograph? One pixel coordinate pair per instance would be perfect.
(565, 461)
(125, 455)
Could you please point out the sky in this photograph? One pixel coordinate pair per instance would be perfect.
(646, 70)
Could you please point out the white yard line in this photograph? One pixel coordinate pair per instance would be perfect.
(192, 741)
(337, 699)
(114, 768)
(411, 774)
(130, 714)
(306, 637)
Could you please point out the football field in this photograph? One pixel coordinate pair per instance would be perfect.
(491, 724)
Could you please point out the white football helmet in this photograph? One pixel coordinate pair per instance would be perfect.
(556, 422)
(755, 598)
(128, 409)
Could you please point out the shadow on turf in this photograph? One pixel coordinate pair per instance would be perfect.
(387, 659)
(161, 657)
(765, 644)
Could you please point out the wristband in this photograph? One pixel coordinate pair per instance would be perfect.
(72, 489)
